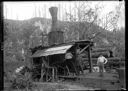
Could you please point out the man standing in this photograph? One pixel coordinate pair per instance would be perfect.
(100, 62)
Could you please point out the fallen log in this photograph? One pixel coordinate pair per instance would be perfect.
(114, 60)
(96, 54)
(100, 50)
(109, 59)
(107, 49)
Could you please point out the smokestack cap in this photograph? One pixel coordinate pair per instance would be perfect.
(53, 11)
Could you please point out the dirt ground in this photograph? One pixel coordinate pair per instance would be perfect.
(89, 81)
(64, 86)
(54, 87)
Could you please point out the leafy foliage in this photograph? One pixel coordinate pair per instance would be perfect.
(22, 82)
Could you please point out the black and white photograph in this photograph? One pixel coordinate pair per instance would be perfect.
(64, 45)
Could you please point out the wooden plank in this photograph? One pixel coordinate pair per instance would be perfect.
(84, 49)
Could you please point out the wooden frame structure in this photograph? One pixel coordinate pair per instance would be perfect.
(57, 65)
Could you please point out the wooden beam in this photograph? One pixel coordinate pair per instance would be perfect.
(56, 76)
(68, 69)
(81, 68)
(84, 49)
(53, 74)
(78, 60)
(77, 63)
(89, 57)
(74, 65)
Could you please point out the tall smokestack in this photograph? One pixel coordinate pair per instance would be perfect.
(56, 35)
(53, 12)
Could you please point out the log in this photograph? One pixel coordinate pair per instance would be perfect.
(109, 59)
(115, 59)
(103, 47)
(106, 54)
(96, 54)
(101, 50)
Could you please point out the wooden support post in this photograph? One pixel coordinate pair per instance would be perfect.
(81, 68)
(56, 74)
(47, 70)
(53, 74)
(89, 57)
(75, 67)
(47, 74)
(68, 70)
(77, 54)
